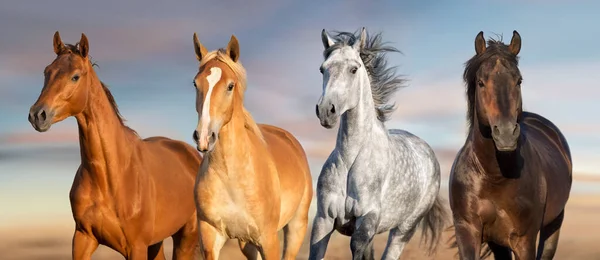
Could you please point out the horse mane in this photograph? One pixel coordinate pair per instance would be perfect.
(495, 48)
(384, 81)
(74, 49)
(240, 73)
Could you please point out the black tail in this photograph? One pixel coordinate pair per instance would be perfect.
(432, 225)
(486, 251)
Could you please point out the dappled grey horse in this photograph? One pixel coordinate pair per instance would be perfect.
(375, 180)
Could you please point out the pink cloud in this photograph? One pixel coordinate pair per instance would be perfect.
(30, 136)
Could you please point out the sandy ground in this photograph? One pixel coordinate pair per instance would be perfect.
(580, 239)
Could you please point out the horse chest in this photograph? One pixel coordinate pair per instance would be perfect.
(95, 214)
(103, 223)
(503, 221)
(226, 210)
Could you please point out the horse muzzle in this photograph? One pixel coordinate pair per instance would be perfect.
(327, 114)
(506, 136)
(205, 141)
(40, 118)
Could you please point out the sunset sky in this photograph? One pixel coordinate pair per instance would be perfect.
(145, 55)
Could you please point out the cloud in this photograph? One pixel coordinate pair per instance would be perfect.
(146, 54)
(57, 134)
(118, 31)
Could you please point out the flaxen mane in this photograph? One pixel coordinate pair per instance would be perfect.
(384, 81)
(74, 49)
(240, 73)
(495, 48)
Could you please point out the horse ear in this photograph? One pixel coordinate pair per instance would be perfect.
(84, 46)
(58, 44)
(360, 43)
(479, 43)
(327, 41)
(233, 49)
(515, 43)
(199, 48)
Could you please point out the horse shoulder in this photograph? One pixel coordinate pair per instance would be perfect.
(463, 178)
(80, 194)
(92, 214)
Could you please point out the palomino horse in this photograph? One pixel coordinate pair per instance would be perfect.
(375, 180)
(255, 179)
(128, 194)
(512, 177)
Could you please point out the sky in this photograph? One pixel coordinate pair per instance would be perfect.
(145, 54)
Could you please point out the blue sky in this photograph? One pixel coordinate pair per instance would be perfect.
(144, 50)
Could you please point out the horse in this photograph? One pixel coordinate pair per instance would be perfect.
(375, 180)
(512, 177)
(254, 179)
(128, 193)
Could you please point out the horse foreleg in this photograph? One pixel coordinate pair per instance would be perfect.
(269, 248)
(138, 252)
(211, 241)
(523, 247)
(468, 238)
(249, 250)
(363, 235)
(295, 230)
(396, 242)
(84, 245)
(156, 251)
(320, 234)
(369, 253)
(186, 240)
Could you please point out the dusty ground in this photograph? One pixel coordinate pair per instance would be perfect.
(580, 239)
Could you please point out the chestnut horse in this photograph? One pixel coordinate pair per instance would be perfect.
(255, 179)
(511, 179)
(129, 193)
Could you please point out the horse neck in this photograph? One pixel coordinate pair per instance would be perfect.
(495, 165)
(359, 125)
(234, 144)
(106, 144)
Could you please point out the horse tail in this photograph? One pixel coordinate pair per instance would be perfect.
(432, 225)
(486, 251)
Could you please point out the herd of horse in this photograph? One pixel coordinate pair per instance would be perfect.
(508, 184)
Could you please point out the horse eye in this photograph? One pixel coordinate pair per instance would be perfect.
(75, 78)
(480, 83)
(195, 84)
(321, 70)
(353, 70)
(230, 87)
(519, 82)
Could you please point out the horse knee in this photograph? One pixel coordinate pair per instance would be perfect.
(363, 234)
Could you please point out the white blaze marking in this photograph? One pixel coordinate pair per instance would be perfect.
(213, 79)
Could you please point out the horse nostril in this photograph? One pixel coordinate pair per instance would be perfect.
(495, 130)
(213, 137)
(195, 136)
(332, 109)
(43, 115)
(317, 110)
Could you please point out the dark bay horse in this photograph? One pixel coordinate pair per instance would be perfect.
(129, 193)
(511, 179)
